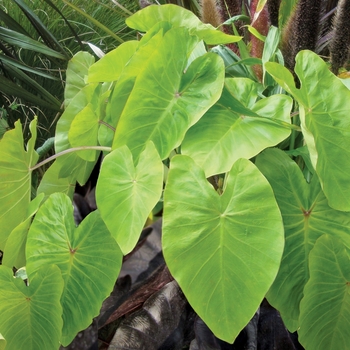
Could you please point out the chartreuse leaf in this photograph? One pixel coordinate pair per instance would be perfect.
(178, 16)
(31, 315)
(345, 79)
(306, 216)
(148, 45)
(72, 165)
(325, 308)
(15, 175)
(127, 193)
(169, 99)
(77, 70)
(84, 130)
(237, 126)
(85, 96)
(2, 343)
(224, 251)
(83, 102)
(52, 182)
(88, 257)
(109, 67)
(14, 252)
(324, 113)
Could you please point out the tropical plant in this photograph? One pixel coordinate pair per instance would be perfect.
(251, 171)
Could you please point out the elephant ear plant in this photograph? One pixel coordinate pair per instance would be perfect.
(252, 176)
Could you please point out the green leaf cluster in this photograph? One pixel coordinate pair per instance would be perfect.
(251, 176)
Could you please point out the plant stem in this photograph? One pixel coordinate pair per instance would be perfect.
(293, 135)
(70, 150)
(122, 7)
(107, 125)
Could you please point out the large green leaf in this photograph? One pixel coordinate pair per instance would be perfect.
(52, 182)
(72, 165)
(76, 105)
(237, 127)
(224, 251)
(178, 16)
(306, 216)
(88, 257)
(84, 127)
(127, 193)
(325, 309)
(31, 315)
(77, 70)
(148, 45)
(324, 113)
(84, 131)
(15, 175)
(79, 121)
(109, 67)
(14, 252)
(169, 99)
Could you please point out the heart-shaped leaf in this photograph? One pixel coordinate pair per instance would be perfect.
(126, 194)
(178, 16)
(53, 182)
(224, 251)
(78, 67)
(109, 67)
(88, 257)
(84, 131)
(306, 216)
(148, 45)
(325, 308)
(71, 165)
(237, 127)
(324, 113)
(14, 252)
(15, 175)
(31, 315)
(169, 97)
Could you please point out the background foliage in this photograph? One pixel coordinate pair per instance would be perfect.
(44, 36)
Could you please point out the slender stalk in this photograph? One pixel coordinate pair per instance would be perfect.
(122, 7)
(95, 22)
(293, 135)
(70, 150)
(107, 125)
